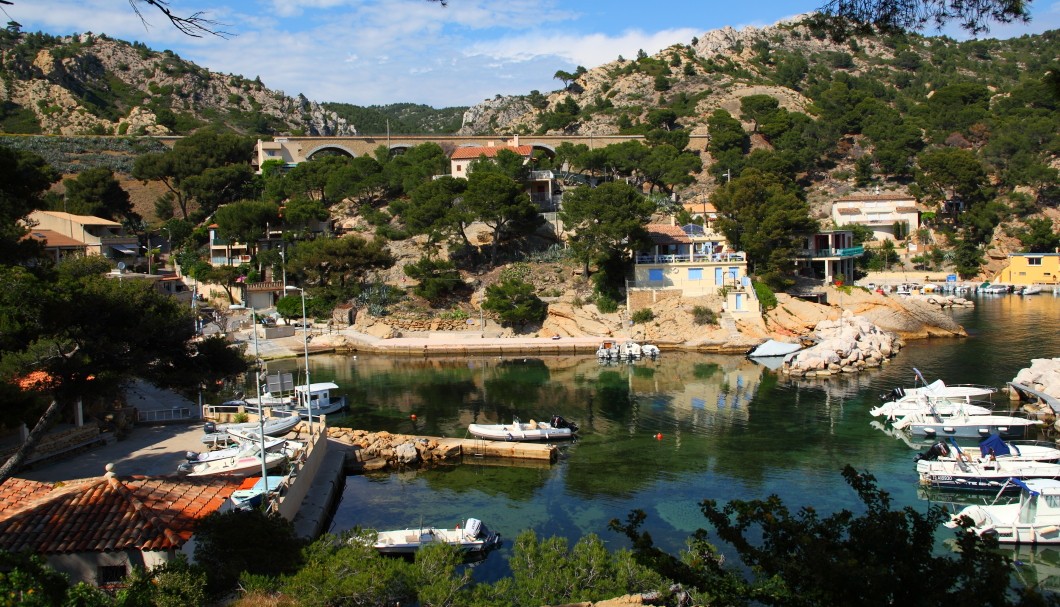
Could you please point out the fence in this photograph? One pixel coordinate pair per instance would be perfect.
(162, 416)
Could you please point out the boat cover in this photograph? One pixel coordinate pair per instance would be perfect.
(775, 348)
(993, 442)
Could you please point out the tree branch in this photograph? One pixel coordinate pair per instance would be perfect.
(195, 25)
(971, 15)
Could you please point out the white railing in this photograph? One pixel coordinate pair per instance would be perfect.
(155, 416)
(694, 258)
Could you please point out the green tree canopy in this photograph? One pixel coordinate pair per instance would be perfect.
(500, 202)
(24, 178)
(605, 221)
(434, 209)
(515, 302)
(96, 192)
(337, 261)
(246, 221)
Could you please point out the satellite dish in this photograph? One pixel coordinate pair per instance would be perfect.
(121, 266)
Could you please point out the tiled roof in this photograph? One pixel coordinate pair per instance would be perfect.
(875, 197)
(88, 220)
(16, 492)
(490, 151)
(666, 234)
(51, 238)
(109, 513)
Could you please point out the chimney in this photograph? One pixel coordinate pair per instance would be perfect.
(516, 141)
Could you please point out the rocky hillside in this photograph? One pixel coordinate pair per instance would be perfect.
(93, 85)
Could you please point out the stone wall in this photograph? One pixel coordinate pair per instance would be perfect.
(61, 441)
(644, 298)
(429, 324)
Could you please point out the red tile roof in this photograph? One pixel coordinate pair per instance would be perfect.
(109, 513)
(661, 233)
(16, 492)
(490, 151)
(51, 238)
(875, 197)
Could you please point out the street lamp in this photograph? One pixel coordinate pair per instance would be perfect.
(261, 405)
(305, 333)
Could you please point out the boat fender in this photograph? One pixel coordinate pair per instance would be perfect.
(1048, 530)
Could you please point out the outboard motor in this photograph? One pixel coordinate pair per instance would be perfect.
(191, 456)
(559, 422)
(939, 449)
(894, 394)
(209, 427)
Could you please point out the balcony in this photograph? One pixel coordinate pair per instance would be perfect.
(737, 257)
(857, 251)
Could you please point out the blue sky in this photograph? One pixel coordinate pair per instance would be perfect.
(386, 51)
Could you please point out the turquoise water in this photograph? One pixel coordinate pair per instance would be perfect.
(660, 436)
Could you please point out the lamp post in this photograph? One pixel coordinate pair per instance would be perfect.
(261, 406)
(305, 333)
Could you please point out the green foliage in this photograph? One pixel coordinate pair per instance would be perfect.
(236, 541)
(1040, 236)
(702, 315)
(436, 279)
(606, 304)
(642, 316)
(27, 580)
(399, 118)
(765, 295)
(515, 302)
(604, 221)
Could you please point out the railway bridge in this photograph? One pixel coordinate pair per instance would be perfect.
(293, 150)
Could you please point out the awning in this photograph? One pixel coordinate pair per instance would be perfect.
(126, 249)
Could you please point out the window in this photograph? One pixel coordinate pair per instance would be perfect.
(111, 574)
(655, 275)
(695, 273)
(1034, 261)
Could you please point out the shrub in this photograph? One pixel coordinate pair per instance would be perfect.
(606, 305)
(515, 302)
(642, 316)
(702, 315)
(765, 295)
(241, 418)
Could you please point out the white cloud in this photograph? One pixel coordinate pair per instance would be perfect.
(579, 49)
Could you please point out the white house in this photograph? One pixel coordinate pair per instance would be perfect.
(878, 211)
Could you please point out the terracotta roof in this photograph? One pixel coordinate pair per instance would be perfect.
(88, 220)
(875, 197)
(666, 234)
(700, 208)
(51, 238)
(108, 513)
(16, 492)
(905, 210)
(490, 151)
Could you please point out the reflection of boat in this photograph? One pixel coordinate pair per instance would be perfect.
(994, 289)
(1030, 290)
(1036, 566)
(990, 475)
(1035, 519)
(473, 537)
(557, 428)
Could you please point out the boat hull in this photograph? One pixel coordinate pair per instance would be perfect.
(992, 477)
(509, 432)
(1008, 428)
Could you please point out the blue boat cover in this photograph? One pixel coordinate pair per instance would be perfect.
(994, 442)
(1022, 485)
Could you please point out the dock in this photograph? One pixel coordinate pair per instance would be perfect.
(1025, 392)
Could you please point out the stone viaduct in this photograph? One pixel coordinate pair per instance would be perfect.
(293, 150)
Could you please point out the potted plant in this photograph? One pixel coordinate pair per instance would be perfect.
(839, 279)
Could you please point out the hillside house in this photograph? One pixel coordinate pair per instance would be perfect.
(97, 236)
(1030, 269)
(690, 261)
(541, 185)
(96, 530)
(829, 254)
(878, 212)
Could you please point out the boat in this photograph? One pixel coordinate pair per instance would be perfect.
(900, 408)
(253, 491)
(939, 391)
(320, 399)
(906, 289)
(650, 351)
(473, 537)
(772, 348)
(1034, 519)
(217, 434)
(963, 425)
(993, 445)
(271, 444)
(608, 350)
(973, 475)
(1030, 290)
(994, 289)
(556, 428)
(244, 463)
(629, 350)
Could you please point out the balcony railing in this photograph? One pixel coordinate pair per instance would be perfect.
(737, 257)
(819, 253)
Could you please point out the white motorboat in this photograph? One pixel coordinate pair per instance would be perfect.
(629, 350)
(1034, 519)
(974, 475)
(473, 537)
(271, 444)
(963, 425)
(938, 391)
(1030, 290)
(993, 446)
(320, 399)
(217, 434)
(608, 350)
(650, 351)
(244, 463)
(555, 429)
(922, 404)
(994, 289)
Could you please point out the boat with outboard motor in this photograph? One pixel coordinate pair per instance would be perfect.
(555, 429)
(897, 409)
(993, 446)
(1034, 519)
(217, 434)
(964, 425)
(938, 391)
(245, 462)
(963, 472)
(473, 537)
(271, 444)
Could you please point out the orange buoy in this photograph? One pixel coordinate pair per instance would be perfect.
(658, 436)
(413, 417)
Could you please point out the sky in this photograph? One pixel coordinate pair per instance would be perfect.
(375, 52)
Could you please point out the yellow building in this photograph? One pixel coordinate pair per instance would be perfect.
(1030, 269)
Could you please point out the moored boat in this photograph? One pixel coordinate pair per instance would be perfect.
(963, 425)
(474, 536)
(555, 429)
(243, 463)
(993, 446)
(217, 434)
(938, 391)
(1035, 519)
(608, 350)
(321, 400)
(991, 475)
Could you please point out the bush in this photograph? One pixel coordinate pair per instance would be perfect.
(642, 316)
(515, 302)
(765, 295)
(702, 315)
(606, 305)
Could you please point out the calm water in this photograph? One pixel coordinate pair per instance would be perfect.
(730, 429)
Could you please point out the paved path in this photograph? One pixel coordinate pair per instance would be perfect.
(148, 451)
